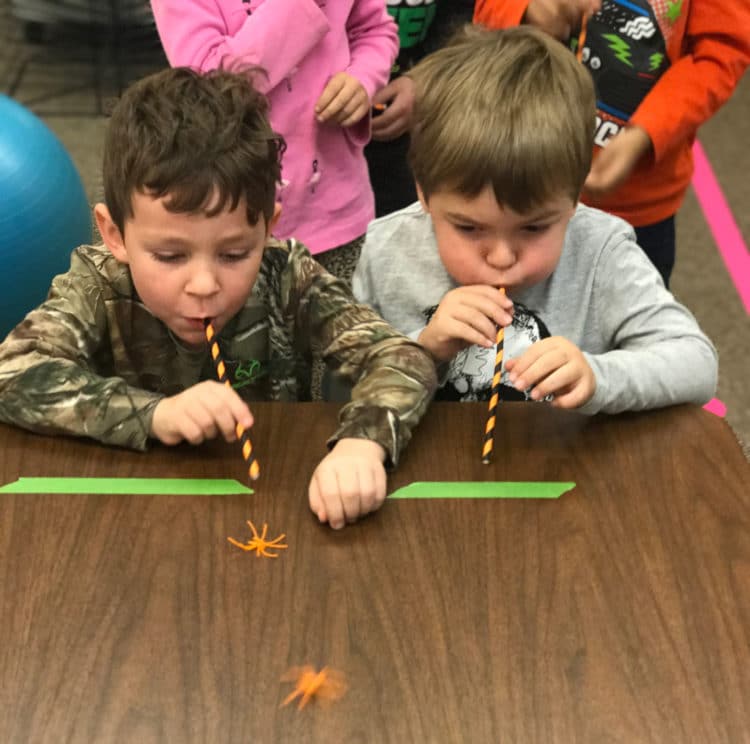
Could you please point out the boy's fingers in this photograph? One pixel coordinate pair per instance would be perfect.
(330, 496)
(477, 320)
(461, 331)
(192, 430)
(237, 407)
(372, 486)
(555, 381)
(495, 305)
(226, 423)
(533, 375)
(385, 132)
(522, 363)
(316, 503)
(350, 492)
(573, 398)
(381, 485)
(213, 413)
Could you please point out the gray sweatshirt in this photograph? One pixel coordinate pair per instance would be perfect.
(645, 348)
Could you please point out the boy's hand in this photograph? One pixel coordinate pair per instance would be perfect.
(559, 18)
(616, 161)
(201, 412)
(349, 482)
(396, 119)
(343, 100)
(553, 366)
(465, 316)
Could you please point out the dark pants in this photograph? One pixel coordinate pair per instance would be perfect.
(658, 243)
(390, 175)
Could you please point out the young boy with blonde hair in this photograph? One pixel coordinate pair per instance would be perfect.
(501, 146)
(118, 353)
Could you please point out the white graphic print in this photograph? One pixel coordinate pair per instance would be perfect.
(638, 28)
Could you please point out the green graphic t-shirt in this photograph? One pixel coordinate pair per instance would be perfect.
(414, 18)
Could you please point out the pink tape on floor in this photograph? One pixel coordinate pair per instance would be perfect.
(716, 407)
(720, 220)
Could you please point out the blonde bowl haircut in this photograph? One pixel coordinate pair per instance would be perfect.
(512, 108)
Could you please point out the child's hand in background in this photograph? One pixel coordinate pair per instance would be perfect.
(201, 412)
(349, 482)
(554, 366)
(396, 119)
(616, 161)
(466, 315)
(344, 100)
(559, 18)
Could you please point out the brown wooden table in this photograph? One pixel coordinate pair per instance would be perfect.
(618, 613)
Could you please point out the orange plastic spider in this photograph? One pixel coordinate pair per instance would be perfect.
(259, 544)
(326, 685)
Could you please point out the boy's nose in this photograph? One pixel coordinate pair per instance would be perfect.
(501, 254)
(203, 283)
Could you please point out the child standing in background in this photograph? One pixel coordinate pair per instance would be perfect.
(422, 26)
(661, 69)
(324, 61)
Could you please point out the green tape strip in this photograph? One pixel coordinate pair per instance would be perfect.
(154, 486)
(483, 490)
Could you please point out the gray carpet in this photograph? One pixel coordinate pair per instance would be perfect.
(70, 78)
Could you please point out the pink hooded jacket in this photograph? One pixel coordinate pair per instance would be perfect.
(326, 195)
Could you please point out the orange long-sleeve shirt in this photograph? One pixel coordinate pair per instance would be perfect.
(666, 66)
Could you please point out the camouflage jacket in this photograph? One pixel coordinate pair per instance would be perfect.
(92, 360)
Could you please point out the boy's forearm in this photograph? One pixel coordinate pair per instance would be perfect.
(390, 399)
(678, 371)
(58, 397)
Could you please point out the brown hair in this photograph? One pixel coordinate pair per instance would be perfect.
(512, 109)
(190, 136)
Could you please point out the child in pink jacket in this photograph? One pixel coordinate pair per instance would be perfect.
(324, 60)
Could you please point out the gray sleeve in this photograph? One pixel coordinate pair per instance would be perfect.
(659, 355)
(400, 274)
(363, 286)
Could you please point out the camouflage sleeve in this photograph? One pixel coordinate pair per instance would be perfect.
(393, 377)
(48, 383)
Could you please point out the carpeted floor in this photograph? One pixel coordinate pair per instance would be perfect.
(70, 77)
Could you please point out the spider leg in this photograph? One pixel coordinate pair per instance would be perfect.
(288, 699)
(252, 527)
(239, 544)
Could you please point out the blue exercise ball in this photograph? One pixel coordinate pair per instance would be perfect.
(44, 212)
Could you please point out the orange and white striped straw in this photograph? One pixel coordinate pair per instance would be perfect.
(489, 431)
(253, 469)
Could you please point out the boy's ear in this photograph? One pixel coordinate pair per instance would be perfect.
(274, 218)
(422, 199)
(111, 235)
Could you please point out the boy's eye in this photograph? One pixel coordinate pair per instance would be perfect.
(465, 228)
(168, 257)
(536, 228)
(235, 256)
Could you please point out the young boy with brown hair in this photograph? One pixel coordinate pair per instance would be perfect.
(118, 353)
(661, 69)
(501, 146)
